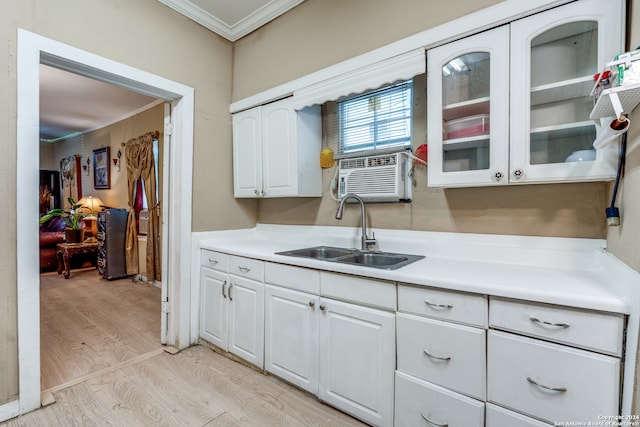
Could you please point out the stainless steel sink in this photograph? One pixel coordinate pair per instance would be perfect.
(374, 259)
(318, 252)
(377, 260)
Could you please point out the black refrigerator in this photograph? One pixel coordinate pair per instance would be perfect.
(112, 235)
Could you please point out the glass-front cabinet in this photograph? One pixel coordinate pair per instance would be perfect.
(468, 107)
(512, 105)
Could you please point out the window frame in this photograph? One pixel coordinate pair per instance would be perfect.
(397, 92)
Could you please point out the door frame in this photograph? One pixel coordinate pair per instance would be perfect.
(33, 50)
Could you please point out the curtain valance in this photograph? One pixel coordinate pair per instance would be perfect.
(397, 68)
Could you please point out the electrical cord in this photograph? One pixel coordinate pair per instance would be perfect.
(613, 214)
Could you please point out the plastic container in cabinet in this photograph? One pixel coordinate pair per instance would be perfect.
(467, 126)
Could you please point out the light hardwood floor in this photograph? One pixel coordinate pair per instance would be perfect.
(102, 361)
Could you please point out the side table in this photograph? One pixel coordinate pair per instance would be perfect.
(66, 251)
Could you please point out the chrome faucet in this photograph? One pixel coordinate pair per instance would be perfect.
(366, 241)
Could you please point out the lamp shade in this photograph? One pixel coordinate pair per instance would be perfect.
(90, 204)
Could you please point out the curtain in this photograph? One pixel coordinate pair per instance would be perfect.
(141, 166)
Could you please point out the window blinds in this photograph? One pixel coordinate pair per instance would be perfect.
(378, 120)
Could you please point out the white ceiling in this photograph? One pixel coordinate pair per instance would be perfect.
(71, 104)
(232, 19)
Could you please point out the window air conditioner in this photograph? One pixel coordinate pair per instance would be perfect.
(379, 178)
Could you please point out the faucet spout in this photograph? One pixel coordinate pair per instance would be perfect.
(366, 241)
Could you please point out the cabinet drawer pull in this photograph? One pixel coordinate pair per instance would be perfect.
(244, 269)
(546, 387)
(433, 423)
(213, 261)
(224, 294)
(545, 323)
(438, 306)
(431, 356)
(229, 291)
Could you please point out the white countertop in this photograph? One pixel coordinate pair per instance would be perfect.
(560, 271)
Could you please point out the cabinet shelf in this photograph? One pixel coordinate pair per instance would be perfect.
(562, 90)
(468, 108)
(628, 97)
(470, 142)
(562, 131)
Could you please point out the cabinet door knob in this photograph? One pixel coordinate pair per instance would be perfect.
(546, 387)
(518, 173)
(224, 294)
(312, 304)
(229, 291)
(498, 176)
(257, 193)
(264, 193)
(323, 307)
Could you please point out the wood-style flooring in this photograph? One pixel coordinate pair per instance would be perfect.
(103, 364)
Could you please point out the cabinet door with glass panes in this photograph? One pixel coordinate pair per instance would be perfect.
(468, 110)
(554, 57)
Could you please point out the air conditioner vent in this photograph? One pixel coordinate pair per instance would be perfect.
(382, 161)
(381, 178)
(352, 163)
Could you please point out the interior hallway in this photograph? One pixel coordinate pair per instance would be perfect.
(104, 366)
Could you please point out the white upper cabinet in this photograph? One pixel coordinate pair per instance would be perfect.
(468, 97)
(276, 151)
(512, 105)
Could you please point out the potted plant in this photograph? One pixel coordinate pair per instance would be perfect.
(74, 233)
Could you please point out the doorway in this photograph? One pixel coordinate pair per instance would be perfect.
(89, 323)
(34, 50)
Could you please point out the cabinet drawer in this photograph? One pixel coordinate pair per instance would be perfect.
(215, 260)
(419, 403)
(300, 279)
(442, 304)
(591, 330)
(246, 267)
(500, 417)
(447, 354)
(586, 384)
(372, 292)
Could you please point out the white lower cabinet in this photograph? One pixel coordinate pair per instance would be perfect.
(213, 307)
(357, 360)
(444, 353)
(291, 336)
(551, 381)
(232, 310)
(420, 403)
(246, 317)
(462, 359)
(501, 417)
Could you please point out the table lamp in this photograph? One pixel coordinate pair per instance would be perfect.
(91, 205)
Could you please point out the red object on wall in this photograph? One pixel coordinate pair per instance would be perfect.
(421, 153)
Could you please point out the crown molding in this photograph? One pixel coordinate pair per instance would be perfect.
(251, 22)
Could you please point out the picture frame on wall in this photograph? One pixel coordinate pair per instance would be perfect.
(101, 169)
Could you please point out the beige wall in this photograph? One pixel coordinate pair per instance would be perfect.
(147, 35)
(319, 33)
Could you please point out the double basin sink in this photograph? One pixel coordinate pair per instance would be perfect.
(374, 259)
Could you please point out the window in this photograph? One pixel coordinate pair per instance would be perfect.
(378, 120)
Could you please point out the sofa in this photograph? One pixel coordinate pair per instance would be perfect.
(51, 234)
